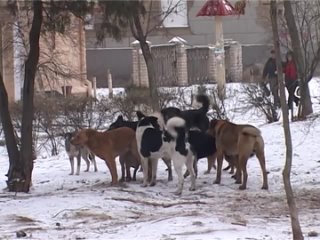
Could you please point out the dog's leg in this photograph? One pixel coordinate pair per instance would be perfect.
(145, 169)
(238, 175)
(168, 164)
(111, 164)
(154, 172)
(85, 157)
(243, 159)
(210, 160)
(71, 163)
(78, 163)
(94, 162)
(128, 173)
(134, 178)
(219, 168)
(190, 166)
(178, 162)
(262, 161)
(122, 164)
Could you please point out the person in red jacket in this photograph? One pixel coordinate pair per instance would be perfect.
(291, 79)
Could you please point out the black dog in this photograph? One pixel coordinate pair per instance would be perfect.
(195, 118)
(120, 122)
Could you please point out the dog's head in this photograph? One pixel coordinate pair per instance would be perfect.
(69, 135)
(80, 138)
(117, 124)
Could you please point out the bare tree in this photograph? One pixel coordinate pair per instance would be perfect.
(142, 19)
(21, 162)
(295, 224)
(303, 21)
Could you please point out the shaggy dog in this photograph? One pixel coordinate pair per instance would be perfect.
(108, 145)
(78, 152)
(128, 161)
(195, 118)
(154, 143)
(241, 141)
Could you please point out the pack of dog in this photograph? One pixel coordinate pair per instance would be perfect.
(78, 152)
(167, 142)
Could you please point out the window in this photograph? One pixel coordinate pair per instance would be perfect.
(175, 13)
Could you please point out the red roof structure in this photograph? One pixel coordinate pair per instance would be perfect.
(217, 8)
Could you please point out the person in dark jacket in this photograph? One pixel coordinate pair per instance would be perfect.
(270, 72)
(291, 79)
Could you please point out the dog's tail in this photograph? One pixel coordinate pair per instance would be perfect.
(252, 131)
(174, 124)
(205, 101)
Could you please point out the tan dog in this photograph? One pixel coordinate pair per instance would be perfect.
(240, 141)
(108, 145)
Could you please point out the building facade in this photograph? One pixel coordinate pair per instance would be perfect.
(250, 30)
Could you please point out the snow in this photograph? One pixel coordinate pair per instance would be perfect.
(61, 206)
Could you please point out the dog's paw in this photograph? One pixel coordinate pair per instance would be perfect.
(170, 178)
(86, 170)
(264, 187)
(206, 172)
(71, 173)
(192, 188)
(178, 192)
(77, 174)
(144, 185)
(152, 184)
(242, 187)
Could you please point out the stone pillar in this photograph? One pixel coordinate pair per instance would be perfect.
(140, 72)
(94, 86)
(110, 84)
(182, 64)
(212, 65)
(236, 67)
(182, 67)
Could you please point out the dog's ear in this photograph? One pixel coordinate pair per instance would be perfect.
(140, 115)
(213, 122)
(120, 118)
(154, 121)
(68, 135)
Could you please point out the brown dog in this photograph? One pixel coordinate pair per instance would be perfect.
(108, 145)
(240, 141)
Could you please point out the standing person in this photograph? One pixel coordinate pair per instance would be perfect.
(270, 72)
(291, 79)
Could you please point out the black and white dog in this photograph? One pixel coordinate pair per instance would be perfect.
(195, 118)
(169, 143)
(78, 152)
(120, 122)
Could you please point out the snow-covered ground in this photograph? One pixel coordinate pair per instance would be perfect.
(61, 206)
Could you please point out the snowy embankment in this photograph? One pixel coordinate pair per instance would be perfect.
(61, 206)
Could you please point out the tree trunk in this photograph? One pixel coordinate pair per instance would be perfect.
(151, 75)
(145, 48)
(300, 60)
(306, 103)
(26, 157)
(11, 143)
(296, 229)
